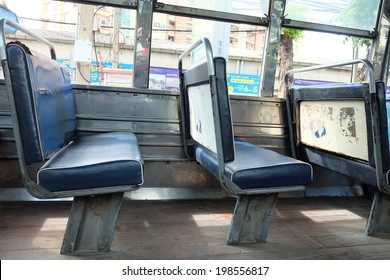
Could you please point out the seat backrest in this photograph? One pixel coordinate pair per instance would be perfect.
(336, 118)
(334, 128)
(44, 102)
(199, 87)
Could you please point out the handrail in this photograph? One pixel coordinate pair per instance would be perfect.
(370, 67)
(209, 54)
(374, 110)
(4, 22)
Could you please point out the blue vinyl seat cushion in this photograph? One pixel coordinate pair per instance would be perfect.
(255, 167)
(94, 161)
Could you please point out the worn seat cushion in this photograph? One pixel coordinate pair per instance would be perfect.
(95, 161)
(255, 167)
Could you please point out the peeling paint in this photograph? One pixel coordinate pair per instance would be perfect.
(338, 126)
(347, 122)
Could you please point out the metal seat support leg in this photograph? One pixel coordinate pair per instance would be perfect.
(379, 219)
(252, 218)
(91, 224)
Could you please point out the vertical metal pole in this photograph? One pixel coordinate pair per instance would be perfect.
(115, 39)
(142, 43)
(84, 32)
(380, 50)
(270, 59)
(382, 57)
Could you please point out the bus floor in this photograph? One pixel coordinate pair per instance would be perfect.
(302, 228)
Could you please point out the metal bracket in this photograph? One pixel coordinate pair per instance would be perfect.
(131, 3)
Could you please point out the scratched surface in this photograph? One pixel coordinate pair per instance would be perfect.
(336, 126)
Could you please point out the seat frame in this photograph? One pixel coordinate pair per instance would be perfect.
(254, 207)
(375, 171)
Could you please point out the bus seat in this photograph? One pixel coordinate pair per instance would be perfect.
(253, 174)
(254, 167)
(349, 112)
(94, 169)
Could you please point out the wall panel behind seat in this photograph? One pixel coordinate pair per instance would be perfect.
(154, 117)
(7, 141)
(261, 121)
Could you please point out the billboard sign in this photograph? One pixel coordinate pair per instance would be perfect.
(243, 84)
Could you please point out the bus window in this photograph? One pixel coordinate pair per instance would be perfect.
(358, 14)
(331, 47)
(108, 41)
(112, 46)
(241, 45)
(243, 7)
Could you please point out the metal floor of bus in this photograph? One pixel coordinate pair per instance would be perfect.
(302, 228)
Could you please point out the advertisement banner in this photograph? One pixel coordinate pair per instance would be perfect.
(164, 78)
(243, 84)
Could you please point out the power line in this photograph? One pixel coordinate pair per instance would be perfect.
(132, 28)
(48, 21)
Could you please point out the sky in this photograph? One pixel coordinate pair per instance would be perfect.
(23, 8)
(26, 9)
